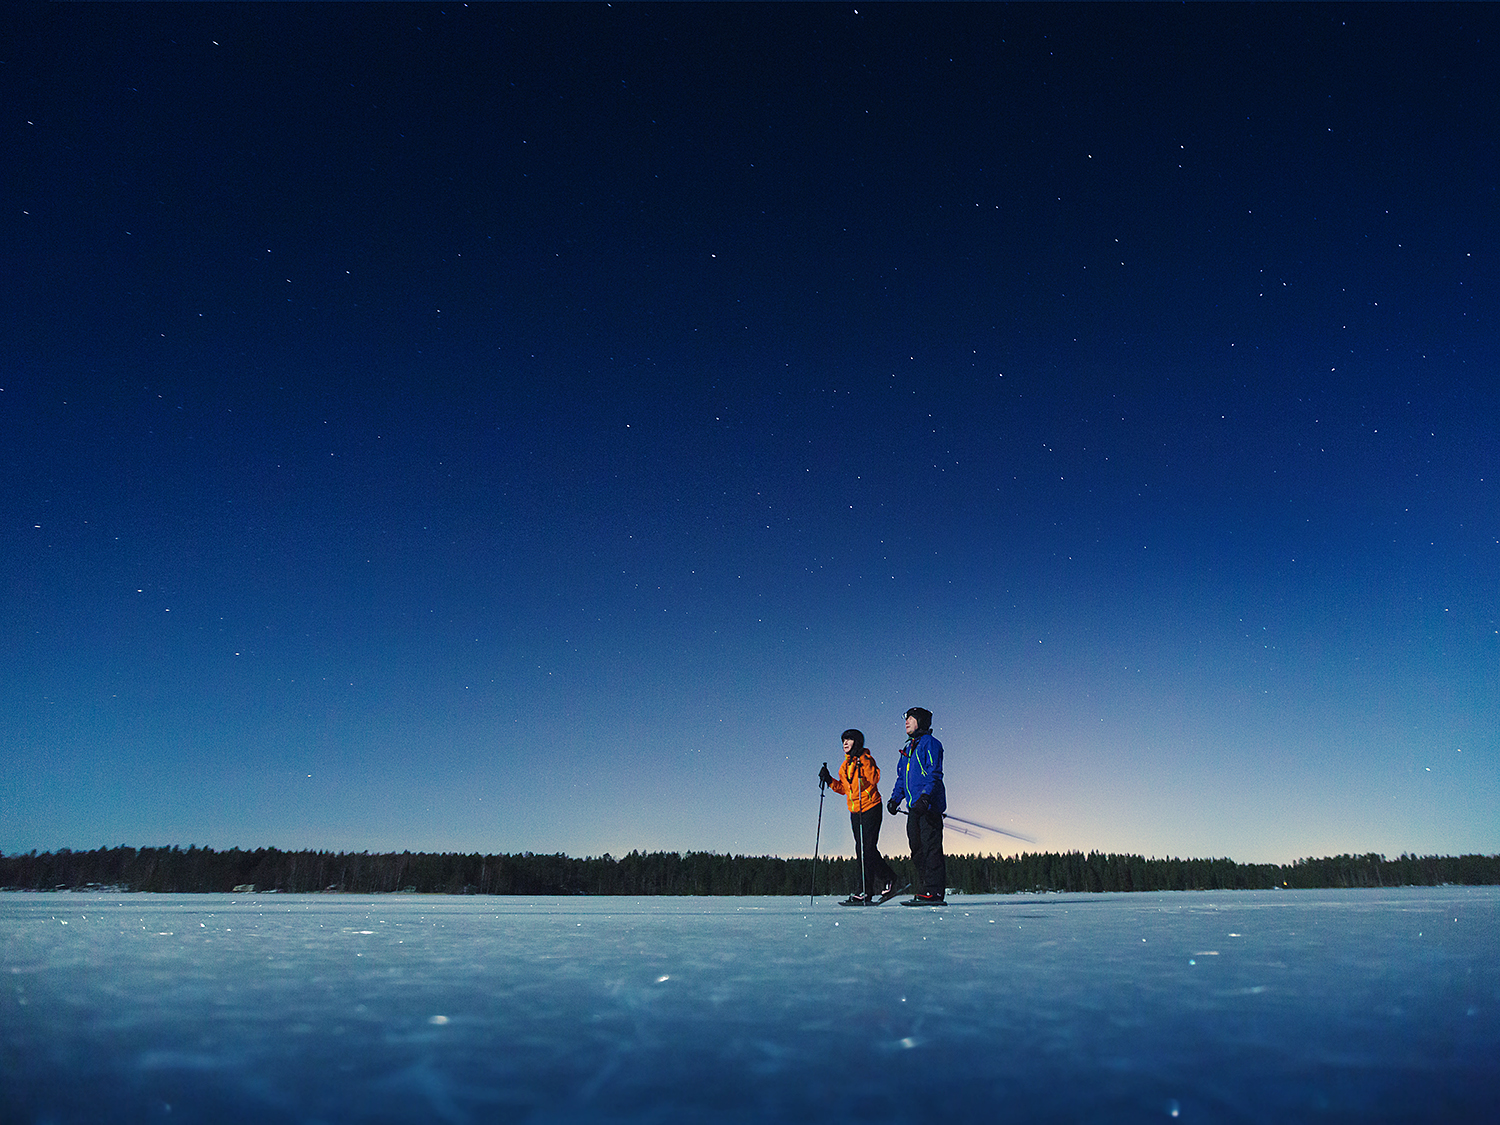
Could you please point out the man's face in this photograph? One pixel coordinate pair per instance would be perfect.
(911, 724)
(848, 746)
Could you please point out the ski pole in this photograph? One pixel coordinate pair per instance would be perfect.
(962, 831)
(989, 828)
(986, 827)
(863, 889)
(812, 890)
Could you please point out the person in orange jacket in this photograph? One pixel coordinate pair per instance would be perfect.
(859, 781)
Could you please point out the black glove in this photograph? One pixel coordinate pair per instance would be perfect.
(824, 776)
(893, 806)
(920, 806)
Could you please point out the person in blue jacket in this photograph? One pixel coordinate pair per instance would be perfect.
(919, 778)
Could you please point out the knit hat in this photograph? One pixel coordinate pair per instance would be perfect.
(859, 739)
(922, 715)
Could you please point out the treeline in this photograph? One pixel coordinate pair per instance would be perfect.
(1075, 871)
(196, 870)
(178, 870)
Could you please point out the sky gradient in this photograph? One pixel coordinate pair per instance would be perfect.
(548, 427)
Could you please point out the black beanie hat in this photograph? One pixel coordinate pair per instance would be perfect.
(859, 739)
(923, 717)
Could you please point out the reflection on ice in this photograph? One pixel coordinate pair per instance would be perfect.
(1256, 1006)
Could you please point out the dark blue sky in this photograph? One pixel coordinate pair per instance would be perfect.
(547, 427)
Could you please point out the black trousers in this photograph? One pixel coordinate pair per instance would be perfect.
(877, 872)
(925, 835)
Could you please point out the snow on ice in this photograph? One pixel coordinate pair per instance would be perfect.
(1220, 1006)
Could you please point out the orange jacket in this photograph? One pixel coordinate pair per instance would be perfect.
(859, 780)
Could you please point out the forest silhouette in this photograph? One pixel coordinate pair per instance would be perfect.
(204, 870)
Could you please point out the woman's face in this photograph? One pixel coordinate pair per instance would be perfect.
(848, 746)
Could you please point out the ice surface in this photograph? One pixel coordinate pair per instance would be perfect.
(1219, 1006)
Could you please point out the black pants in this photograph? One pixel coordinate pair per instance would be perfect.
(877, 872)
(925, 835)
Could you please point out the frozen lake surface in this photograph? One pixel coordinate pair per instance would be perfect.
(1219, 1006)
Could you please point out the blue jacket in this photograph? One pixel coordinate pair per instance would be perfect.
(920, 771)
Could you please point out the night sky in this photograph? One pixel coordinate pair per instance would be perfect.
(547, 427)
